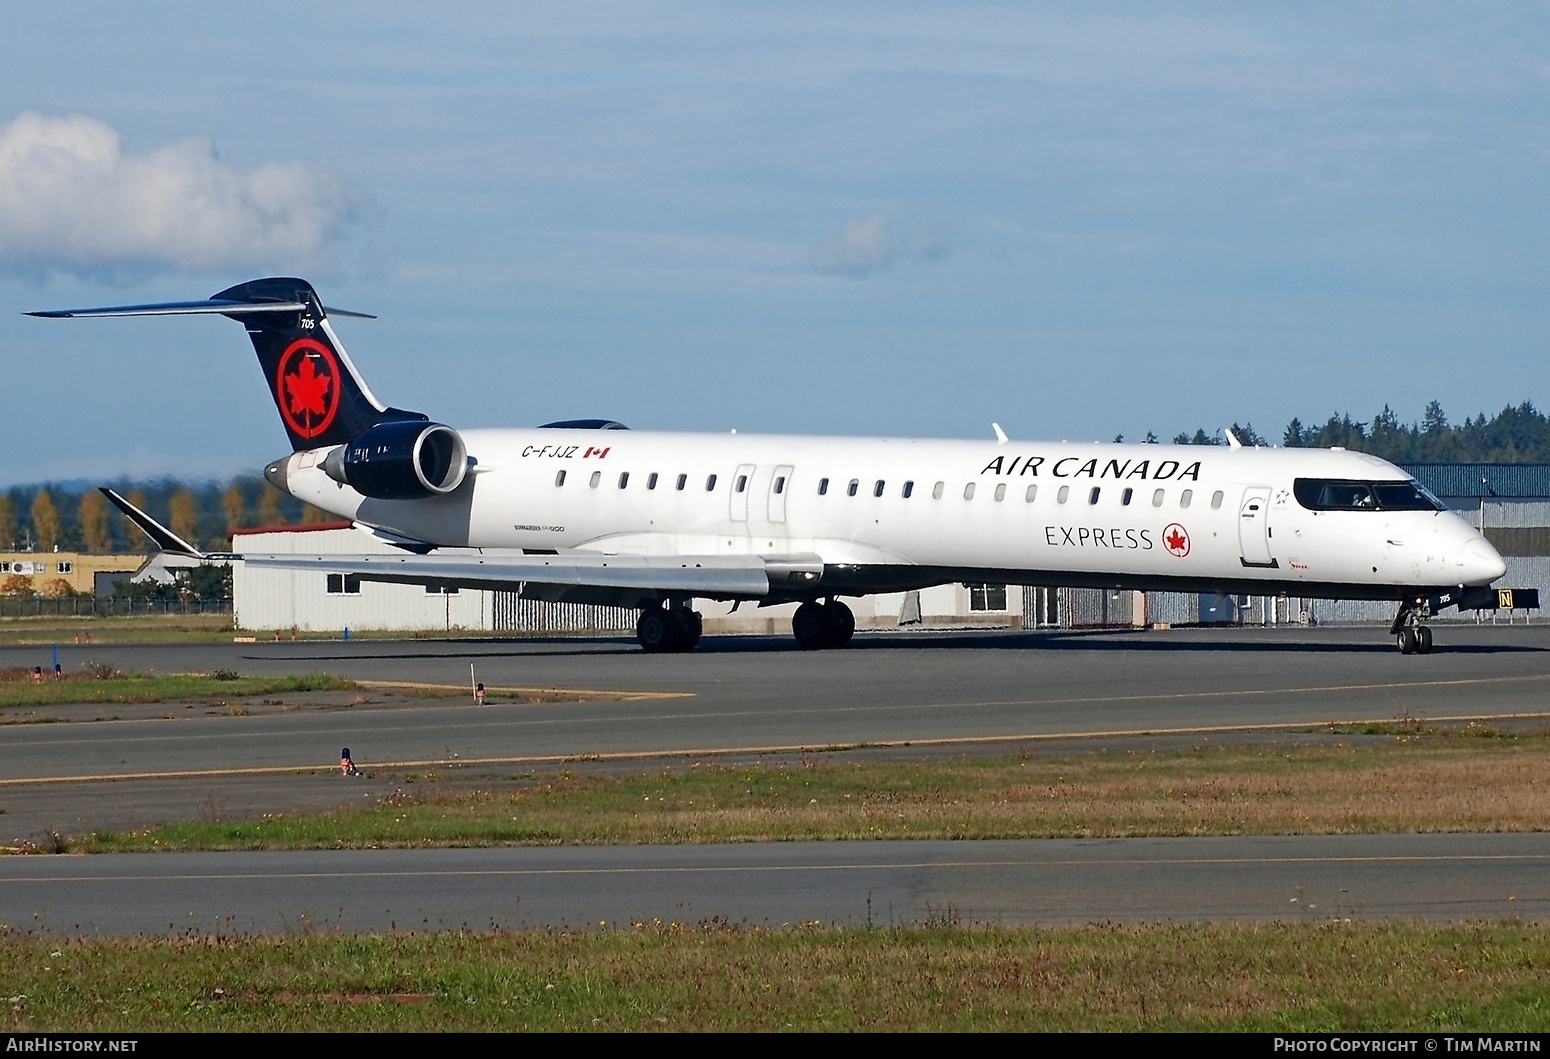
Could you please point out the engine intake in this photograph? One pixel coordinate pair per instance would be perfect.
(400, 461)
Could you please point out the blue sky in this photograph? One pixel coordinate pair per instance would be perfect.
(1078, 220)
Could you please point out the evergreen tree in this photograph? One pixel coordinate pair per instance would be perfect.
(1247, 435)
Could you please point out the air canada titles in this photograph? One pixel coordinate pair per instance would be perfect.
(1076, 467)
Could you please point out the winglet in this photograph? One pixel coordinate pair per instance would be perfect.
(1232, 439)
(160, 535)
(1000, 434)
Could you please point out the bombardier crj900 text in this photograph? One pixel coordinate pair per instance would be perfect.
(588, 511)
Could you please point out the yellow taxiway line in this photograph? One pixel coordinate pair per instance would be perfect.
(577, 693)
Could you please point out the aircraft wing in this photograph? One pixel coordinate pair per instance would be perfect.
(626, 580)
(746, 576)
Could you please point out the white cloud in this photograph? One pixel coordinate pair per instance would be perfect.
(72, 200)
(861, 248)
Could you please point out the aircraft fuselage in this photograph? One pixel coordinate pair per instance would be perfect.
(886, 514)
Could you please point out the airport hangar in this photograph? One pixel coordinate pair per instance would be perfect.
(1509, 502)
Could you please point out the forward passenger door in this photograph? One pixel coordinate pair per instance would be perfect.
(1254, 527)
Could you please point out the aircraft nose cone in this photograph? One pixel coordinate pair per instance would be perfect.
(1482, 563)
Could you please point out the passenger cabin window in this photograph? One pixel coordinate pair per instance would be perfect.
(1065, 492)
(909, 487)
(683, 480)
(1216, 500)
(597, 476)
(780, 485)
(1157, 497)
(1124, 498)
(1092, 496)
(624, 479)
(559, 479)
(937, 490)
(1334, 494)
(710, 484)
(968, 491)
(742, 482)
(823, 486)
(651, 480)
(1185, 497)
(877, 490)
(853, 488)
(1000, 492)
(1033, 491)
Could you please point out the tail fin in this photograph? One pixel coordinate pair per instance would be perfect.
(321, 397)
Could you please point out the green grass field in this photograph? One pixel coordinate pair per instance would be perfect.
(1282, 977)
(17, 687)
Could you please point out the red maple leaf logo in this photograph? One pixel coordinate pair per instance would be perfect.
(1176, 540)
(307, 390)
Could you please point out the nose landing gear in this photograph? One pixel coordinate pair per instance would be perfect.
(1411, 635)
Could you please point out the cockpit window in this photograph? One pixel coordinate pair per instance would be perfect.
(1338, 494)
(1404, 496)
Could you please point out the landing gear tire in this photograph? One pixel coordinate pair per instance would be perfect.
(656, 631)
(839, 624)
(817, 625)
(687, 626)
(808, 625)
(1409, 640)
(662, 629)
(1423, 640)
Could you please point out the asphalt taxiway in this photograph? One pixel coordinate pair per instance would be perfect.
(1434, 877)
(912, 694)
(750, 695)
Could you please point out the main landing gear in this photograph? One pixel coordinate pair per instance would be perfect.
(818, 625)
(672, 628)
(1409, 630)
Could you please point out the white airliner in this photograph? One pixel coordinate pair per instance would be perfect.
(589, 511)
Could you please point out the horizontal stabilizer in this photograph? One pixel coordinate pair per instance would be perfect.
(221, 306)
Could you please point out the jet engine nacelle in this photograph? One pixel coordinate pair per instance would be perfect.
(400, 461)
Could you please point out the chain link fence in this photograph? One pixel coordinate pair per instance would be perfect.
(90, 607)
